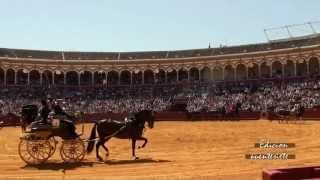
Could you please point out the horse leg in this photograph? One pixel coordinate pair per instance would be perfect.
(134, 149)
(97, 151)
(145, 142)
(105, 147)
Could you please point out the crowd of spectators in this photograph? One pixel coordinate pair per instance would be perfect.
(208, 97)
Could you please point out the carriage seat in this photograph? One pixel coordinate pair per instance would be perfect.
(40, 126)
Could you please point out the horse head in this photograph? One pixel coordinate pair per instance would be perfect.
(146, 115)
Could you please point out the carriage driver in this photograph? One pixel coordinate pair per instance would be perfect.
(44, 111)
(59, 111)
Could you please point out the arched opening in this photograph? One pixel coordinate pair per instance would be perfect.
(10, 76)
(113, 78)
(229, 73)
(265, 70)
(85, 78)
(160, 76)
(125, 77)
(183, 74)
(148, 77)
(34, 77)
(314, 66)
(302, 68)
(253, 71)
(241, 72)
(72, 78)
(47, 78)
(1, 76)
(137, 77)
(22, 77)
(205, 74)
(99, 78)
(172, 76)
(217, 74)
(59, 77)
(276, 69)
(194, 74)
(289, 68)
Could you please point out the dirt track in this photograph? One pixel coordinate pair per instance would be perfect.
(177, 150)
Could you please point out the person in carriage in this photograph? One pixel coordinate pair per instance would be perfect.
(44, 112)
(64, 117)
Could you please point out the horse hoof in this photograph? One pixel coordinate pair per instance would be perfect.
(100, 159)
(135, 158)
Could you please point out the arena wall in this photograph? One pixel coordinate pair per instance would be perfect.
(311, 114)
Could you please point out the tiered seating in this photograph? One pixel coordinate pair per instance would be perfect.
(280, 44)
(91, 55)
(143, 55)
(37, 54)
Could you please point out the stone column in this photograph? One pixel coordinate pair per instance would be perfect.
(259, 71)
(15, 77)
(79, 79)
(295, 68)
(223, 73)
(28, 79)
(177, 75)
(41, 74)
(165, 77)
(53, 76)
(92, 79)
(283, 73)
(5, 78)
(65, 78)
(247, 73)
(106, 78)
(131, 78)
(308, 69)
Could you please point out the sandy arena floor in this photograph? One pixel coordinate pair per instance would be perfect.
(177, 150)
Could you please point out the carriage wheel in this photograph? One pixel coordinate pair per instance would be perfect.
(53, 145)
(72, 150)
(34, 151)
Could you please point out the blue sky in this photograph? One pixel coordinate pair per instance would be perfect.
(144, 25)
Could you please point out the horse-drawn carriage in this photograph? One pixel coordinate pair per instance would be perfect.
(285, 115)
(39, 140)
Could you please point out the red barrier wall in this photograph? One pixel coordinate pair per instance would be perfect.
(291, 173)
(313, 114)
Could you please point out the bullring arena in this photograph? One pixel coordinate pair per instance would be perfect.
(181, 146)
(177, 150)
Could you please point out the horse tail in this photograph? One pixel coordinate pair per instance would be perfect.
(92, 138)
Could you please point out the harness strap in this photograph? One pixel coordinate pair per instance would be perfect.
(113, 134)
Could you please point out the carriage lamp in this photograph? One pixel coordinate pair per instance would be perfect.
(28, 129)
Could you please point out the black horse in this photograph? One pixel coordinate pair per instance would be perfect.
(124, 130)
(286, 115)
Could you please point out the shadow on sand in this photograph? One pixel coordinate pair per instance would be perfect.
(138, 161)
(57, 166)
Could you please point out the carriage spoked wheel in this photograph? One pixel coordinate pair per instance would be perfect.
(72, 150)
(34, 151)
(53, 145)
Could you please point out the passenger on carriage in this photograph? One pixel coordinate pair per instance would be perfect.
(58, 110)
(44, 112)
(64, 117)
